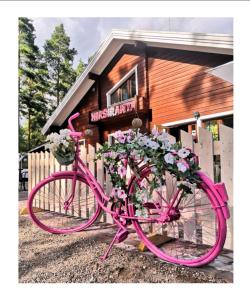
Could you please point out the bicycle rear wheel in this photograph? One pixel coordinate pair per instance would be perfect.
(46, 204)
(197, 233)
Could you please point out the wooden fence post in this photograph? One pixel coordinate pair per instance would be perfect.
(108, 189)
(57, 187)
(33, 173)
(37, 171)
(206, 160)
(46, 174)
(29, 172)
(52, 203)
(41, 165)
(226, 147)
(100, 177)
(83, 191)
(189, 227)
(91, 165)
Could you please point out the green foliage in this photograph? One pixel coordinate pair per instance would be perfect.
(32, 132)
(23, 140)
(80, 68)
(44, 79)
(157, 153)
(33, 75)
(59, 57)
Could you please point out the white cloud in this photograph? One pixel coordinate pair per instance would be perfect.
(87, 33)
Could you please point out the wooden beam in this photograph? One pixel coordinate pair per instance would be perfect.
(140, 45)
(93, 76)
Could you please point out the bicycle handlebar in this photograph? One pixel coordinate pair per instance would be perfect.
(71, 119)
(74, 134)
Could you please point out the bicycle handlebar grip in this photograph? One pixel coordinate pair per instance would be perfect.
(76, 115)
(76, 134)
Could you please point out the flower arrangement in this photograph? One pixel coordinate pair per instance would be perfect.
(154, 150)
(62, 146)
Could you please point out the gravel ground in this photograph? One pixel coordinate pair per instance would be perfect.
(49, 258)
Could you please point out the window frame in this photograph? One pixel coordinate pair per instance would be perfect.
(134, 70)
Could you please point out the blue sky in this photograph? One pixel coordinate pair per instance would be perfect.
(87, 33)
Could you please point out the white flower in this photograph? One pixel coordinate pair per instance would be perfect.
(153, 169)
(143, 141)
(181, 167)
(153, 145)
(166, 145)
(183, 153)
(163, 137)
(65, 143)
(135, 154)
(155, 132)
(64, 133)
(169, 158)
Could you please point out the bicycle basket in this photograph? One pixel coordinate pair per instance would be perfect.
(65, 159)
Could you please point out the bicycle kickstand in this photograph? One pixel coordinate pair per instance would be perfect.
(120, 236)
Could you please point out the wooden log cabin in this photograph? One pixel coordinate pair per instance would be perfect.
(168, 79)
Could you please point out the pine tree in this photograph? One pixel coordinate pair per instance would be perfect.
(80, 68)
(59, 57)
(32, 79)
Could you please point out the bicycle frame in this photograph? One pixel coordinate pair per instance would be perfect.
(79, 168)
(165, 209)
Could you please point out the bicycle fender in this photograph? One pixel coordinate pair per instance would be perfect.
(220, 192)
(221, 189)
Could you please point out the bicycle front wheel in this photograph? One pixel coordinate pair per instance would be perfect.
(194, 235)
(46, 204)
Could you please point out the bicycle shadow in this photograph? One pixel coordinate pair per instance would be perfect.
(58, 253)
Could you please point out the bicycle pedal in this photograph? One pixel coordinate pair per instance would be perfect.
(121, 236)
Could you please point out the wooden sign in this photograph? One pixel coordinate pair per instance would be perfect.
(113, 111)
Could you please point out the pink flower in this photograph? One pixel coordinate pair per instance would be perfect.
(111, 168)
(122, 155)
(121, 139)
(129, 138)
(143, 183)
(114, 192)
(122, 171)
(117, 134)
(121, 194)
(110, 154)
(107, 154)
(185, 163)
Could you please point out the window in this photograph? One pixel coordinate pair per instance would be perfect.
(125, 89)
(213, 125)
(176, 130)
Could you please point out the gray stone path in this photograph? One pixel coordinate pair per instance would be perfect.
(221, 266)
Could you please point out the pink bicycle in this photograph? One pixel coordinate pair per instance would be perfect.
(195, 224)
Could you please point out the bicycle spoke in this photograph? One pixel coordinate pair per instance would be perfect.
(57, 192)
(194, 233)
